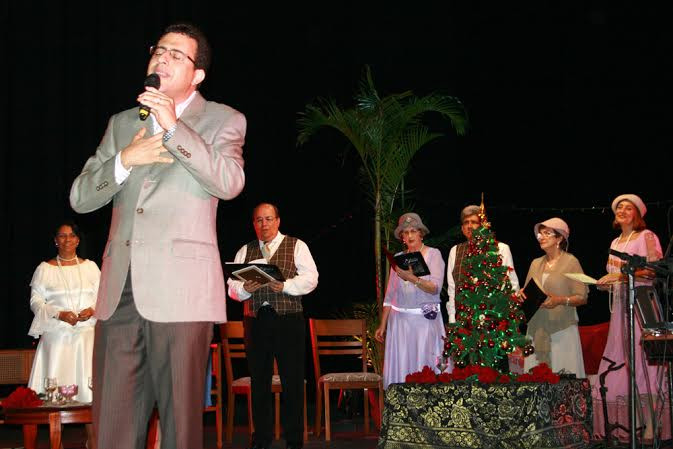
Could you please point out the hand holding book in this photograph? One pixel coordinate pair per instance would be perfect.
(261, 273)
(534, 297)
(414, 260)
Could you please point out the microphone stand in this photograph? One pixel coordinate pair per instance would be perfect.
(630, 270)
(632, 263)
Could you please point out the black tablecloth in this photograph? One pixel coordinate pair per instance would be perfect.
(466, 414)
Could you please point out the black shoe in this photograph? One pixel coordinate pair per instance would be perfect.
(294, 445)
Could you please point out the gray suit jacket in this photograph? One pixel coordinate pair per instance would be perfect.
(164, 215)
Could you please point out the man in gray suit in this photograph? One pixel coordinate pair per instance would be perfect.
(161, 283)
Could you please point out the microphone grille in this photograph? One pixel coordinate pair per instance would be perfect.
(152, 80)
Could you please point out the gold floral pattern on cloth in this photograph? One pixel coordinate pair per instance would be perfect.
(350, 377)
(466, 414)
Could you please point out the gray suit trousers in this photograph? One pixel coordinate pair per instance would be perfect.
(138, 364)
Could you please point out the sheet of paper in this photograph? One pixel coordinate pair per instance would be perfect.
(581, 277)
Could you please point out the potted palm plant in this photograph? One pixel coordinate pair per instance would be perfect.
(386, 132)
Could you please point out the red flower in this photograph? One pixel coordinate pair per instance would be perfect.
(488, 376)
(22, 397)
(444, 378)
(504, 379)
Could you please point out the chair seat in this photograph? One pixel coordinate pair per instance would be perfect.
(350, 377)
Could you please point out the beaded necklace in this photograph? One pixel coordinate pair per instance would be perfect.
(623, 248)
(68, 292)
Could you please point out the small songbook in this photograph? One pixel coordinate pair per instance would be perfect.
(406, 260)
(258, 272)
(534, 297)
(581, 277)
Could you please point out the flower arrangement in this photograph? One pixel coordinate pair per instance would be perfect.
(484, 374)
(22, 397)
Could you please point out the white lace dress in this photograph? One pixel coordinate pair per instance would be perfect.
(64, 351)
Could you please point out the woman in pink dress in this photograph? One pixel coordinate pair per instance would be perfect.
(411, 319)
(634, 239)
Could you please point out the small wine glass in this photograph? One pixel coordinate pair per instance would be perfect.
(68, 391)
(50, 385)
(442, 363)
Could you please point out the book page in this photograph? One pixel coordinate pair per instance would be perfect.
(253, 273)
(583, 278)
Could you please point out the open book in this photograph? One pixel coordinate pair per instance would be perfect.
(405, 260)
(581, 277)
(258, 272)
(534, 297)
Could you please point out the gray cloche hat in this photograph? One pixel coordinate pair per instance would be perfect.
(410, 220)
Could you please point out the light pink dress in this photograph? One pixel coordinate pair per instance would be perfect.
(616, 349)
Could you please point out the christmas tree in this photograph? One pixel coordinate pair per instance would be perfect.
(487, 309)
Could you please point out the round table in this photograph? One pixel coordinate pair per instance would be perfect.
(54, 415)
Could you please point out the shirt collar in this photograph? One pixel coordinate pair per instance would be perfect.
(179, 109)
(275, 241)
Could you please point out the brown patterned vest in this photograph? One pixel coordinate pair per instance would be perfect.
(284, 258)
(461, 252)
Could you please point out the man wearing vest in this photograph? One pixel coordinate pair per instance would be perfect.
(469, 218)
(274, 324)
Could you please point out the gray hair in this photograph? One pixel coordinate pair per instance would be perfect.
(469, 210)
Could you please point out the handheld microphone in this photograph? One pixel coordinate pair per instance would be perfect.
(152, 80)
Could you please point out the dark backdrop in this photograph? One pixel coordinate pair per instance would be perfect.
(569, 104)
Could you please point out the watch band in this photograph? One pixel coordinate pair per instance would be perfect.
(169, 132)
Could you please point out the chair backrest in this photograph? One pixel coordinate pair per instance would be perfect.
(338, 337)
(15, 366)
(233, 346)
(593, 339)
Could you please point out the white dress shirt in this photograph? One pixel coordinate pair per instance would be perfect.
(507, 261)
(303, 283)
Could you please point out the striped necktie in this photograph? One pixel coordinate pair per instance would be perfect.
(266, 251)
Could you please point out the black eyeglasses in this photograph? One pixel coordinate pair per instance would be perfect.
(176, 55)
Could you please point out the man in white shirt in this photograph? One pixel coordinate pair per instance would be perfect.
(274, 324)
(469, 218)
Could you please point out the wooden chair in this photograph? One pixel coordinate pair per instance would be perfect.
(15, 367)
(233, 347)
(338, 338)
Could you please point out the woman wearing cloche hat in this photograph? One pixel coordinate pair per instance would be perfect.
(411, 319)
(634, 239)
(553, 327)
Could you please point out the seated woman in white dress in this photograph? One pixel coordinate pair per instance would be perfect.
(63, 297)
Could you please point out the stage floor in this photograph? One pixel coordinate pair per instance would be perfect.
(347, 433)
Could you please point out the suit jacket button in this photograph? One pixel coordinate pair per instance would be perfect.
(140, 210)
(128, 243)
